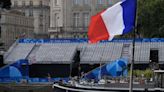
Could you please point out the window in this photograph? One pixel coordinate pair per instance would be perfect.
(41, 14)
(30, 12)
(85, 19)
(76, 18)
(110, 2)
(15, 3)
(76, 2)
(86, 2)
(100, 2)
(31, 3)
(40, 3)
(56, 17)
(23, 3)
(56, 2)
(55, 21)
(0, 32)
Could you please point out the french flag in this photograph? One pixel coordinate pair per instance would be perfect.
(116, 20)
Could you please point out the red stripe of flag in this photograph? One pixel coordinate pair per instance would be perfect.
(97, 29)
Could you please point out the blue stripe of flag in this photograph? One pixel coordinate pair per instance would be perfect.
(129, 14)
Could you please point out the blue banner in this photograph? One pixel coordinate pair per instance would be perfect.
(124, 40)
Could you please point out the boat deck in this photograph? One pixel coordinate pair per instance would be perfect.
(110, 87)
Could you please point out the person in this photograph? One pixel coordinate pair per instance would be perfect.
(49, 77)
(82, 74)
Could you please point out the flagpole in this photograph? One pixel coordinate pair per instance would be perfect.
(133, 51)
(131, 66)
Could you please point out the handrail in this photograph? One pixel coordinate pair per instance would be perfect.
(11, 49)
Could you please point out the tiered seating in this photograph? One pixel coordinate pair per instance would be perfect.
(145, 52)
(161, 52)
(55, 53)
(137, 52)
(48, 53)
(103, 52)
(98, 53)
(116, 51)
(108, 50)
(88, 53)
(20, 51)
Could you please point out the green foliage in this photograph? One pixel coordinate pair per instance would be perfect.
(148, 73)
(151, 18)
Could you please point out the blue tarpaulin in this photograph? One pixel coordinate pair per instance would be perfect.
(114, 69)
(18, 69)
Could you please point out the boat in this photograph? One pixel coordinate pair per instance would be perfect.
(107, 87)
(115, 84)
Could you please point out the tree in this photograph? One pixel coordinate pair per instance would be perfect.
(5, 4)
(151, 18)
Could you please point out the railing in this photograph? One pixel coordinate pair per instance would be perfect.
(11, 49)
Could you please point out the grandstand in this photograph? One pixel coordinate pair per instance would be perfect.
(62, 51)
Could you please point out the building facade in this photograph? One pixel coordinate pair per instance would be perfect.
(70, 18)
(14, 25)
(39, 10)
